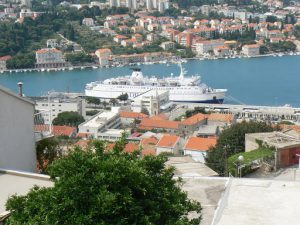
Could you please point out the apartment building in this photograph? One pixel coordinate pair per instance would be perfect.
(58, 103)
(49, 58)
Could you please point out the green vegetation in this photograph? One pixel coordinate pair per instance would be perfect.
(232, 141)
(195, 111)
(282, 46)
(68, 119)
(251, 157)
(106, 187)
(145, 111)
(91, 112)
(297, 32)
(92, 100)
(47, 151)
(123, 97)
(79, 58)
(188, 3)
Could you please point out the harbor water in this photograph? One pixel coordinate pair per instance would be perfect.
(260, 81)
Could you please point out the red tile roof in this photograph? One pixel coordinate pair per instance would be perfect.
(161, 116)
(5, 58)
(194, 119)
(133, 115)
(149, 141)
(129, 147)
(220, 117)
(56, 130)
(46, 50)
(149, 151)
(149, 124)
(83, 135)
(83, 143)
(200, 144)
(168, 141)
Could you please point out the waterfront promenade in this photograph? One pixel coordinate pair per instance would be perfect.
(255, 112)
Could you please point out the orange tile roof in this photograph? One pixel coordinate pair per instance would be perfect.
(63, 130)
(149, 124)
(220, 117)
(194, 119)
(149, 141)
(149, 151)
(56, 130)
(200, 144)
(134, 115)
(83, 135)
(161, 116)
(290, 127)
(83, 143)
(168, 141)
(121, 36)
(5, 58)
(46, 50)
(129, 147)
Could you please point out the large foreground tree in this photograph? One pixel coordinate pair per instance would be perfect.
(98, 187)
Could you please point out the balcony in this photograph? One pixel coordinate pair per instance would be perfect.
(42, 126)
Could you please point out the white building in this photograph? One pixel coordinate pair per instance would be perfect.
(101, 122)
(168, 45)
(17, 148)
(131, 4)
(58, 103)
(169, 144)
(88, 22)
(250, 50)
(197, 147)
(111, 134)
(3, 61)
(49, 58)
(151, 100)
(204, 47)
(114, 3)
(52, 43)
(26, 3)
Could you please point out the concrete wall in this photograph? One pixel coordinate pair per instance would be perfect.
(198, 156)
(250, 143)
(17, 143)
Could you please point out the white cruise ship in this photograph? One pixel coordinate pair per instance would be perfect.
(181, 88)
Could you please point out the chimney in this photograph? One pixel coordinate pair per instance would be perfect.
(20, 84)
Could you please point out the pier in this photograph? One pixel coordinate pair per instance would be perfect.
(251, 112)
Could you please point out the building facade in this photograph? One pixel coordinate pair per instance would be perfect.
(58, 103)
(17, 149)
(49, 58)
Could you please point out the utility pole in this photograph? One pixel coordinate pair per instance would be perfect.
(226, 160)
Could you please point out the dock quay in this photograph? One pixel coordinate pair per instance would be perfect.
(264, 113)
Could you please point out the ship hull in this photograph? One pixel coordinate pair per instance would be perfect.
(176, 94)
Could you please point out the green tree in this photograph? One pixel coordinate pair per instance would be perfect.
(113, 101)
(232, 141)
(145, 111)
(47, 150)
(68, 118)
(93, 100)
(123, 97)
(106, 187)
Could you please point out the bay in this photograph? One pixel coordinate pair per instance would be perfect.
(259, 81)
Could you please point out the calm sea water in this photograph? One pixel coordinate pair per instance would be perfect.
(261, 81)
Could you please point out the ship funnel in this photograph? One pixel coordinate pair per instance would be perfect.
(182, 71)
(20, 84)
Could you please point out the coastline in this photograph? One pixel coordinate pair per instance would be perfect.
(183, 60)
